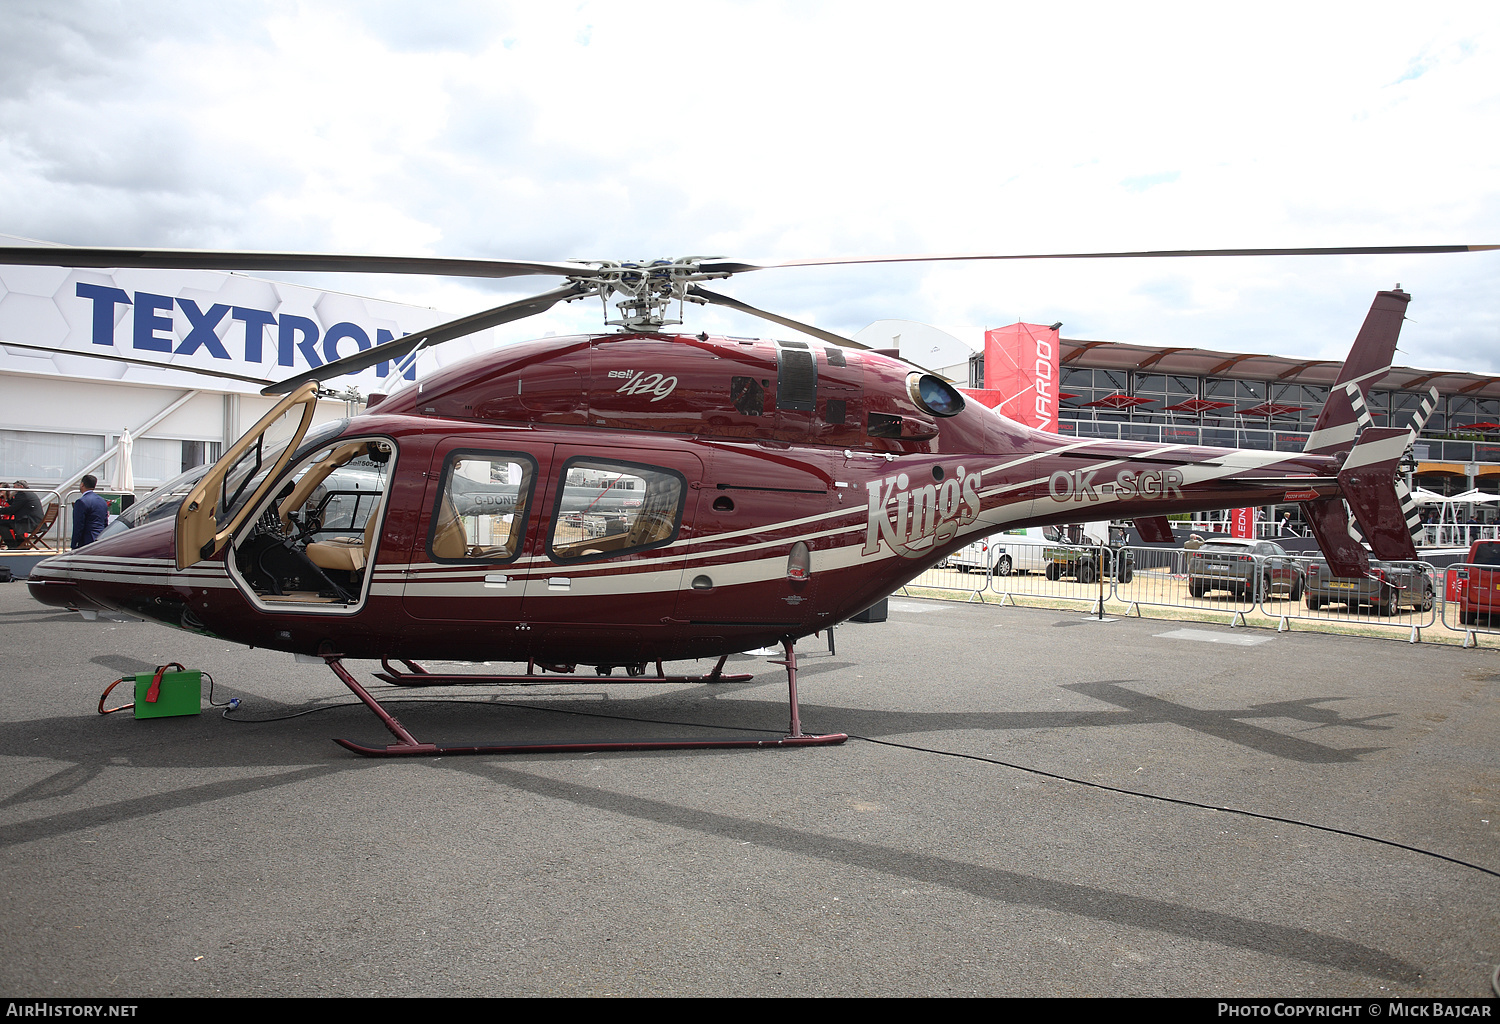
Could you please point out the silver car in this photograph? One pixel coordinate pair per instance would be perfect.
(1230, 563)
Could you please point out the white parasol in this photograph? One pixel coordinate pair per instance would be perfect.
(124, 481)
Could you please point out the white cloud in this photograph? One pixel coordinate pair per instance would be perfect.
(776, 130)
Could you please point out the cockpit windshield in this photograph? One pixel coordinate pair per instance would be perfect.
(249, 471)
(159, 504)
(163, 502)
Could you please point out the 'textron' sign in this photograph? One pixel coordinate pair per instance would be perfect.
(154, 329)
(180, 321)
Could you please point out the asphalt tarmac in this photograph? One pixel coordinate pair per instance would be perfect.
(202, 856)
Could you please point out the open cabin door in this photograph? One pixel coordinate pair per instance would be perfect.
(218, 505)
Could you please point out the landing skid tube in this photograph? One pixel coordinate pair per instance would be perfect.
(419, 676)
(408, 745)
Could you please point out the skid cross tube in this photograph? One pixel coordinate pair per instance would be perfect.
(419, 676)
(409, 746)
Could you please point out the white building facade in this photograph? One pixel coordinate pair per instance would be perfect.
(67, 395)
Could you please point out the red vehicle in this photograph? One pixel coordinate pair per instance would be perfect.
(759, 493)
(1479, 584)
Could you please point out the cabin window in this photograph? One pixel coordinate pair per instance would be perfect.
(605, 509)
(480, 515)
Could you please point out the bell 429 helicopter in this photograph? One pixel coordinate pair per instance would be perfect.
(624, 499)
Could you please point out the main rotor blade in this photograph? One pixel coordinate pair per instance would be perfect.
(796, 325)
(365, 358)
(272, 262)
(1346, 250)
(185, 368)
(785, 321)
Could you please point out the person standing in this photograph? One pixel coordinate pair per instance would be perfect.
(90, 513)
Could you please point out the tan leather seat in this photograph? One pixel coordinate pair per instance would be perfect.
(448, 538)
(348, 554)
(343, 553)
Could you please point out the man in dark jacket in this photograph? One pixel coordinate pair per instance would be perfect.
(90, 513)
(26, 512)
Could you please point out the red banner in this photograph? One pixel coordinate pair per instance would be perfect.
(1242, 522)
(986, 398)
(1021, 363)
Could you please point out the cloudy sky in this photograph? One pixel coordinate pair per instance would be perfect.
(771, 131)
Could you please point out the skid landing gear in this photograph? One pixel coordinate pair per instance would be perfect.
(408, 745)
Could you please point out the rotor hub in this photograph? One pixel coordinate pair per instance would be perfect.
(647, 288)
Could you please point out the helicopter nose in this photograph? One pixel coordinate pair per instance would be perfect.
(50, 588)
(77, 579)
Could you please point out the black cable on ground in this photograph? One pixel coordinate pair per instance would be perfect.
(1182, 802)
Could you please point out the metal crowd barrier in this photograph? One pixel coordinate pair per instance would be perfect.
(948, 577)
(1471, 600)
(1284, 589)
(1406, 595)
(1410, 596)
(1177, 578)
(1060, 572)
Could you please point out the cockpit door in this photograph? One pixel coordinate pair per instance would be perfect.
(218, 505)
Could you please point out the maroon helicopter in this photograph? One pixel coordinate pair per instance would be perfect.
(626, 499)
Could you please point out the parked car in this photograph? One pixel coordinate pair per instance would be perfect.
(1480, 585)
(1390, 586)
(1022, 550)
(1230, 563)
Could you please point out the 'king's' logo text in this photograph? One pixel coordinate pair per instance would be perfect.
(911, 520)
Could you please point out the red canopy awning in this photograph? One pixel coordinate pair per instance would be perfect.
(1118, 401)
(1197, 405)
(1268, 409)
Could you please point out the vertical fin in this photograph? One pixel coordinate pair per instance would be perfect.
(1369, 360)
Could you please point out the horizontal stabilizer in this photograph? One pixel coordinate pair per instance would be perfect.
(1154, 529)
(1330, 525)
(1368, 480)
